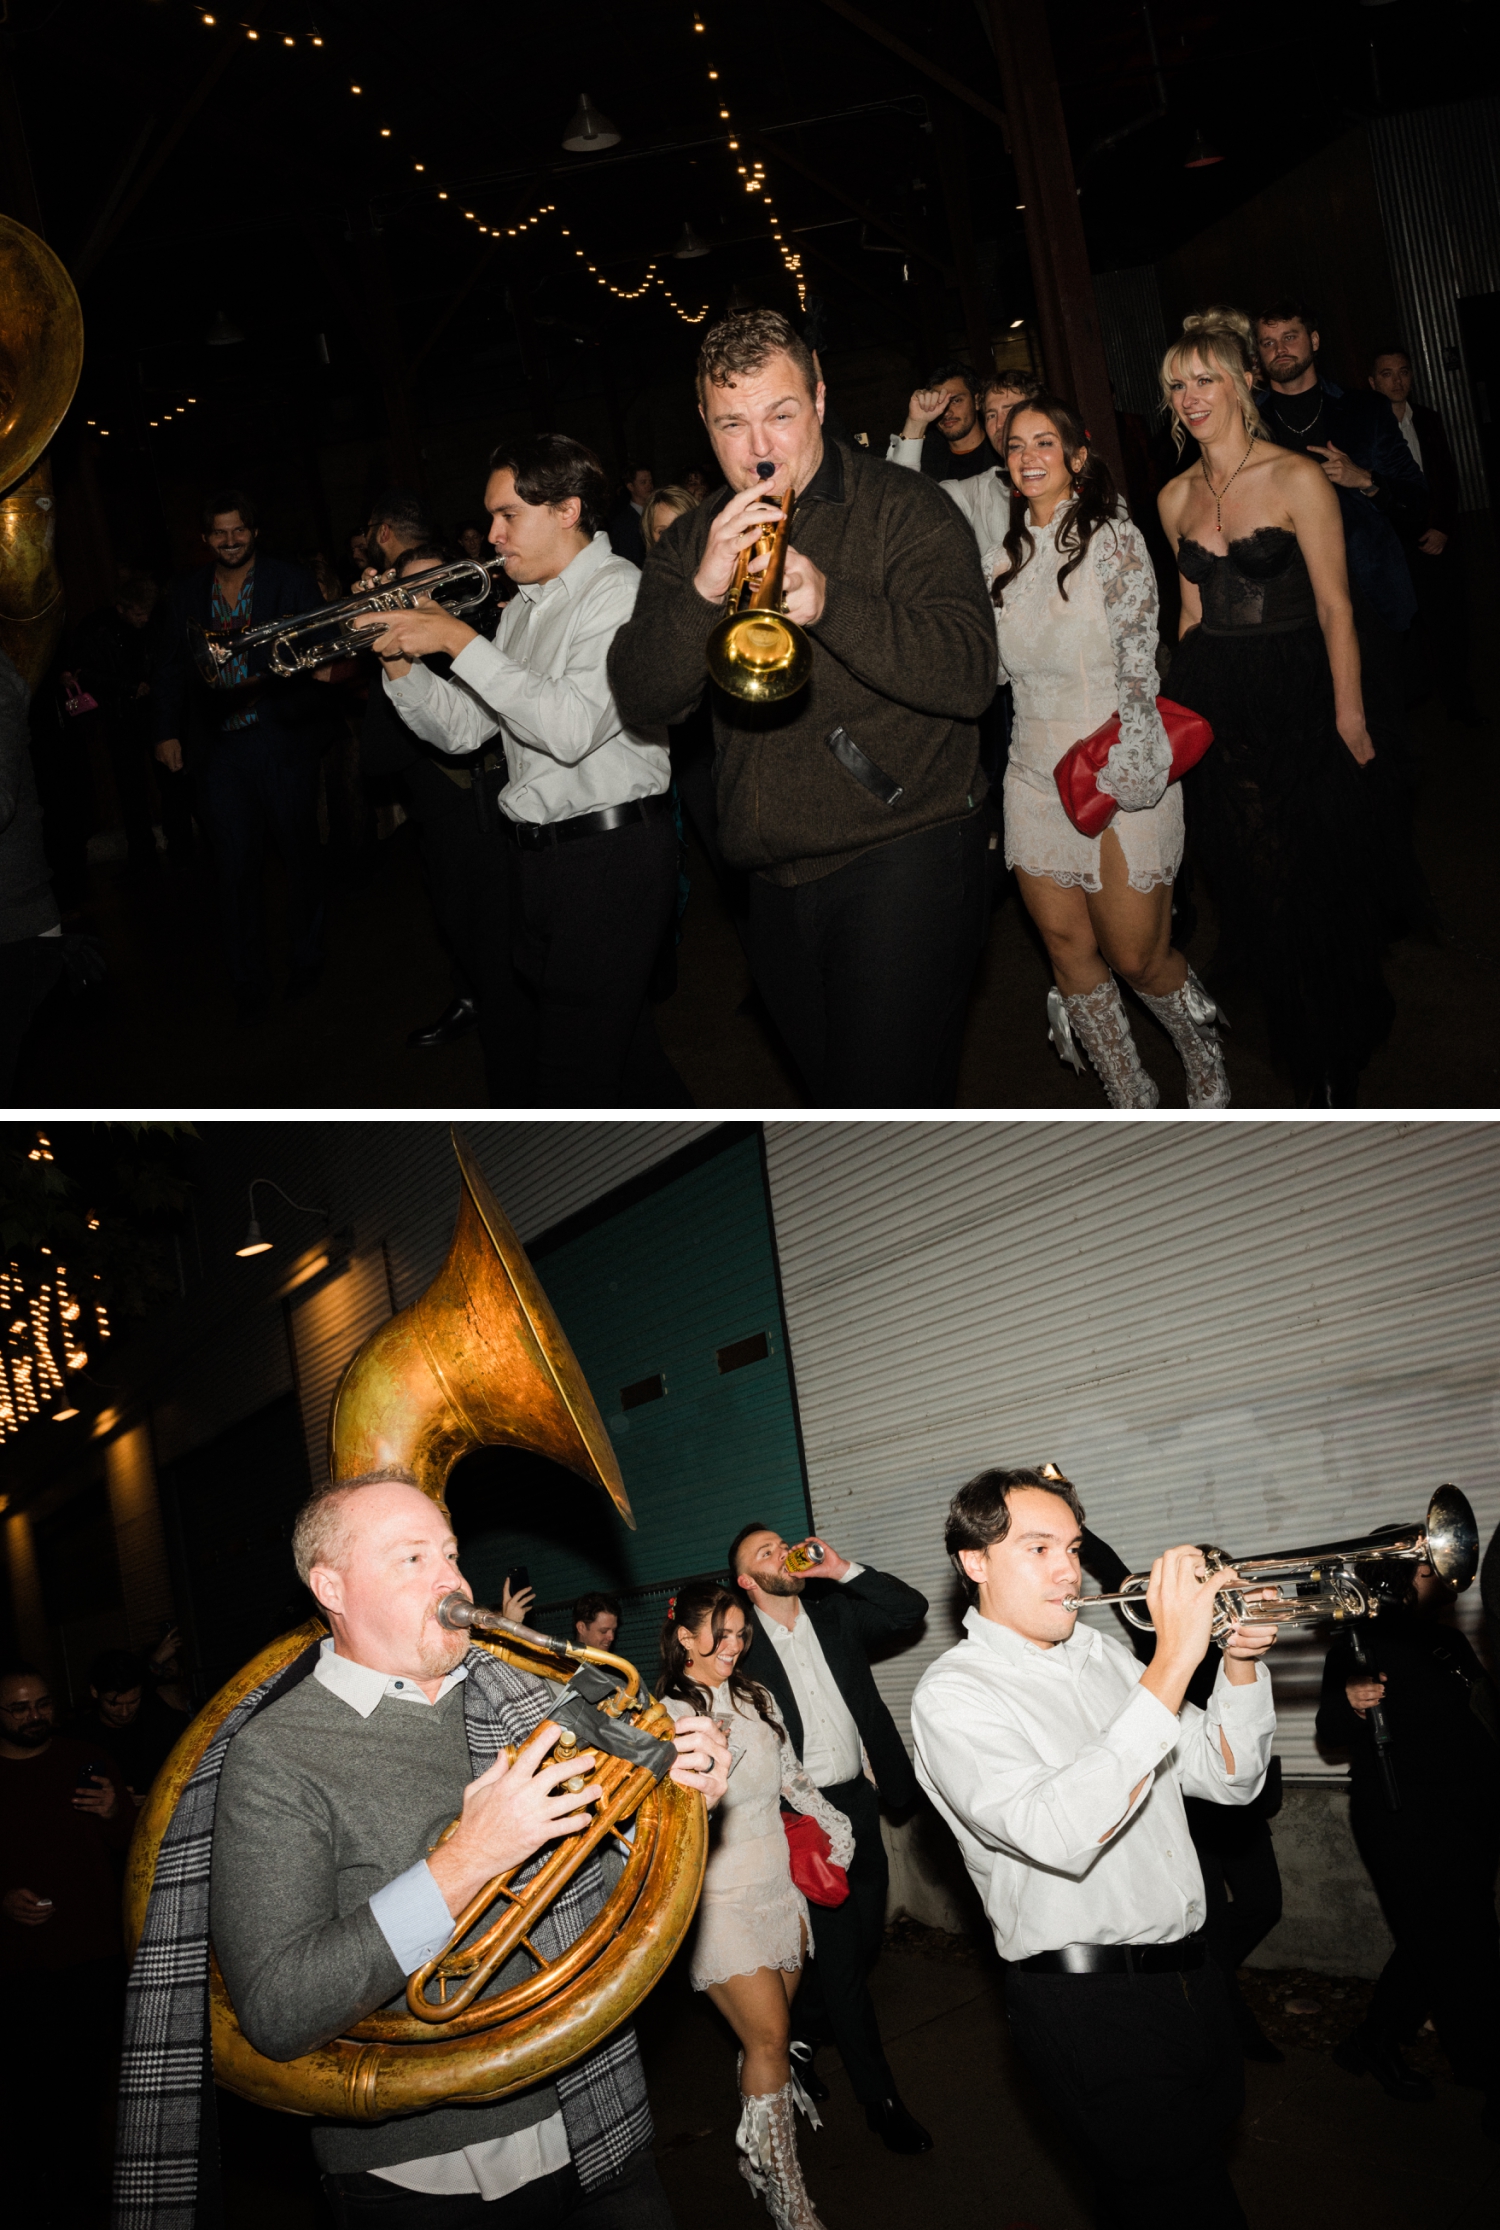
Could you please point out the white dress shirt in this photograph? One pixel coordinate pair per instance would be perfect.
(831, 1748)
(1030, 1755)
(1408, 427)
(412, 1915)
(541, 686)
(984, 498)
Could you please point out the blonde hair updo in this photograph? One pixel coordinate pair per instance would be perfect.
(1221, 337)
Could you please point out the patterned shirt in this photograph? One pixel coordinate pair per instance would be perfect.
(235, 617)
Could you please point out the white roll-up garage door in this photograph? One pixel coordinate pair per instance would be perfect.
(1259, 1335)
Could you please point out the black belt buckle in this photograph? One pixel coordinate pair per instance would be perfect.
(863, 768)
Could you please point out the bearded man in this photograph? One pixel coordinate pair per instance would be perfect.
(815, 1660)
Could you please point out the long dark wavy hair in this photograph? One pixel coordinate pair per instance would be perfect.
(689, 1607)
(1092, 505)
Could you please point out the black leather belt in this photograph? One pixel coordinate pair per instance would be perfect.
(1171, 1958)
(538, 836)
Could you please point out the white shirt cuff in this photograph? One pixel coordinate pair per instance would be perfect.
(852, 1573)
(408, 689)
(904, 452)
(412, 1914)
(1249, 1703)
(1143, 1733)
(482, 661)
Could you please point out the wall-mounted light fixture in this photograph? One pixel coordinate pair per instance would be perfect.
(255, 1241)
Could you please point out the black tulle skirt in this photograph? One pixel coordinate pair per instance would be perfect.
(1291, 838)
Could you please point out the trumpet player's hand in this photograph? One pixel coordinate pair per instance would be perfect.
(168, 753)
(804, 589)
(414, 634)
(702, 1758)
(743, 517)
(1246, 1646)
(1365, 1695)
(509, 1813)
(1180, 1600)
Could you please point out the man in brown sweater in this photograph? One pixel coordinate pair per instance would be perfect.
(856, 801)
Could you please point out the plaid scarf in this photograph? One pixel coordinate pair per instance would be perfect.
(166, 2063)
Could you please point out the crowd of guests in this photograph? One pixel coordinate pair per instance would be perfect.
(1303, 534)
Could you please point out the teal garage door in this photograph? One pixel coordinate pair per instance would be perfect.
(672, 1305)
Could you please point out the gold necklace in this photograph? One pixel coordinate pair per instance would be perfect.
(1219, 494)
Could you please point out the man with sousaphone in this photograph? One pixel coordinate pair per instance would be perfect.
(334, 1880)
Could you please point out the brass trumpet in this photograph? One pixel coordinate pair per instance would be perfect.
(330, 632)
(756, 653)
(1333, 1580)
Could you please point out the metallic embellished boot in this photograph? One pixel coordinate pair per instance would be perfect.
(1097, 1019)
(767, 2141)
(1192, 1021)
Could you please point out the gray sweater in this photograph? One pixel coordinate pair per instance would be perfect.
(903, 658)
(27, 905)
(318, 1809)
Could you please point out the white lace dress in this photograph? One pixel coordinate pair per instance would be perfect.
(1071, 664)
(751, 1914)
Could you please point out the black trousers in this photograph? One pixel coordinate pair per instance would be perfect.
(832, 2005)
(1145, 2075)
(1434, 1873)
(1441, 634)
(633, 2200)
(58, 2158)
(1241, 1879)
(587, 921)
(254, 787)
(467, 868)
(866, 971)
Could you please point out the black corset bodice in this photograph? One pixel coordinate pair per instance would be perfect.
(1261, 586)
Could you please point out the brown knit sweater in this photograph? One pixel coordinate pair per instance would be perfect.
(903, 658)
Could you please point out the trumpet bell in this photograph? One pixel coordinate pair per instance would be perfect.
(759, 657)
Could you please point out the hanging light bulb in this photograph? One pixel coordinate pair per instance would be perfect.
(589, 132)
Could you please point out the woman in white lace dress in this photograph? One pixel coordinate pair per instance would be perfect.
(751, 1935)
(1075, 609)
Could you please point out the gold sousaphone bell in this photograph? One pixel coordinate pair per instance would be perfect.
(756, 653)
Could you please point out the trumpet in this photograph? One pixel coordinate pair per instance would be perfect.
(299, 641)
(756, 653)
(1338, 1579)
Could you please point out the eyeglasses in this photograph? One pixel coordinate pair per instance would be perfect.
(40, 1710)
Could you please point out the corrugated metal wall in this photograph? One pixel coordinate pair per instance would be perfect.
(1134, 327)
(1437, 172)
(328, 1327)
(1255, 1334)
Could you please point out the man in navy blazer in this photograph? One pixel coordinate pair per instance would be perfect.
(250, 744)
(1435, 557)
(814, 1657)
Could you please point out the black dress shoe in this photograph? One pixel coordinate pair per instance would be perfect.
(898, 2131)
(450, 1024)
(1364, 2054)
(806, 2074)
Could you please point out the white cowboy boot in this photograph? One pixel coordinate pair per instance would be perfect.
(767, 2142)
(1193, 1022)
(1097, 1019)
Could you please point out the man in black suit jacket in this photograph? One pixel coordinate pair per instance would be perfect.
(1435, 558)
(251, 745)
(815, 1660)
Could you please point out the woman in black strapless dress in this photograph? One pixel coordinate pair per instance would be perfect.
(1279, 815)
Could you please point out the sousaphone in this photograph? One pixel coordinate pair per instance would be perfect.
(479, 1361)
(41, 356)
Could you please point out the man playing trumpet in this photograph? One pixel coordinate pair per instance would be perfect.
(330, 1885)
(1061, 1764)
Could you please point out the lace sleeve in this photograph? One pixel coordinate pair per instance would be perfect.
(802, 1796)
(994, 560)
(1137, 771)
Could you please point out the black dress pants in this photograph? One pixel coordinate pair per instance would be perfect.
(1434, 1868)
(257, 786)
(587, 921)
(832, 2005)
(1145, 2075)
(633, 2200)
(467, 868)
(866, 971)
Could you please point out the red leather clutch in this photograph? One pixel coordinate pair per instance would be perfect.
(813, 1870)
(1091, 809)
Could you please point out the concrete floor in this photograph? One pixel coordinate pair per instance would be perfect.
(163, 1032)
(1317, 2149)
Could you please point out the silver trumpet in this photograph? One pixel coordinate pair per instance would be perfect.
(1338, 1579)
(299, 641)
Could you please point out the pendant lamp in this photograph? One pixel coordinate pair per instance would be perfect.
(589, 131)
